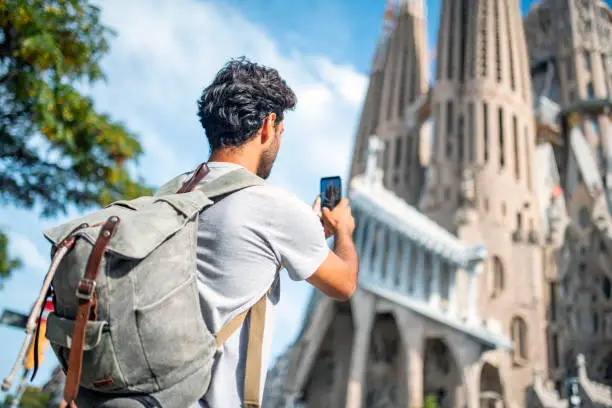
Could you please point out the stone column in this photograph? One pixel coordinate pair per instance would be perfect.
(472, 301)
(392, 260)
(471, 378)
(364, 222)
(359, 356)
(606, 138)
(452, 293)
(419, 273)
(472, 312)
(366, 269)
(375, 147)
(414, 373)
(343, 336)
(468, 354)
(434, 297)
(324, 313)
(405, 272)
(379, 262)
(411, 327)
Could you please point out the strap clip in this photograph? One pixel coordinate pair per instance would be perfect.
(86, 289)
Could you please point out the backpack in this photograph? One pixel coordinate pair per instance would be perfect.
(127, 326)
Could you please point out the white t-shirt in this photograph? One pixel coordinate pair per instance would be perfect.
(242, 242)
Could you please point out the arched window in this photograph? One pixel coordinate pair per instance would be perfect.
(590, 91)
(497, 276)
(603, 369)
(518, 332)
(365, 225)
(388, 237)
(427, 266)
(607, 288)
(584, 217)
(376, 237)
(399, 261)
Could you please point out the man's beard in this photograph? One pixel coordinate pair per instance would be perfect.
(267, 159)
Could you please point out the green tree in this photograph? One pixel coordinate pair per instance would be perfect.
(7, 264)
(33, 397)
(56, 150)
(430, 402)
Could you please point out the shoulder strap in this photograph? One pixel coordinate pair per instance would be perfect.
(194, 196)
(200, 172)
(87, 304)
(229, 183)
(233, 181)
(252, 371)
(252, 374)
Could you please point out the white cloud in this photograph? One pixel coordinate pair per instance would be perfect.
(22, 247)
(167, 51)
(345, 80)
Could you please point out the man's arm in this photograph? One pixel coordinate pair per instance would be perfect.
(337, 275)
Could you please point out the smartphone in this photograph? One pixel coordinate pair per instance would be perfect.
(331, 191)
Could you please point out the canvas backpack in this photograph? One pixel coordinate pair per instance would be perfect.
(127, 326)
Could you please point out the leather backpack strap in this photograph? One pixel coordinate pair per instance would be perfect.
(85, 293)
(229, 183)
(252, 375)
(200, 172)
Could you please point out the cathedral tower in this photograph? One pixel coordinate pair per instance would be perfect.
(570, 63)
(485, 135)
(483, 115)
(456, 310)
(399, 81)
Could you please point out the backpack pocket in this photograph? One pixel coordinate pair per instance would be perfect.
(100, 370)
(173, 335)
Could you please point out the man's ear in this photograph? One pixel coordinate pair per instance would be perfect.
(268, 130)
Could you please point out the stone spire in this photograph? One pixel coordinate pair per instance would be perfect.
(485, 137)
(370, 113)
(415, 7)
(374, 173)
(482, 110)
(399, 77)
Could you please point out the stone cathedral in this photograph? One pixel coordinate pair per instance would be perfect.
(483, 201)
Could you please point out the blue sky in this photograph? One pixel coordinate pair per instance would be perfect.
(167, 51)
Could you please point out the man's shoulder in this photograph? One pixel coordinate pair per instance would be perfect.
(266, 190)
(275, 196)
(272, 198)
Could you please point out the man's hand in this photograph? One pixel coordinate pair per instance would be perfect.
(339, 220)
(337, 275)
(316, 207)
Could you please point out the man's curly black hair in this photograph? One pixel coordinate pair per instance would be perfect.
(234, 106)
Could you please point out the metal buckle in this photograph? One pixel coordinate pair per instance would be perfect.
(85, 292)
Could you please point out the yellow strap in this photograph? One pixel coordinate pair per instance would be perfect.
(230, 327)
(252, 375)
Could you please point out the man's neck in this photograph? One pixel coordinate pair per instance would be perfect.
(223, 156)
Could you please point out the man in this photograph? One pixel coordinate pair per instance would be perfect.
(248, 237)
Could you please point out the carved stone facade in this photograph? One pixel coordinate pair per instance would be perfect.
(579, 69)
(485, 278)
(485, 134)
(399, 78)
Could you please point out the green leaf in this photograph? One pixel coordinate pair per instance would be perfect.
(8, 263)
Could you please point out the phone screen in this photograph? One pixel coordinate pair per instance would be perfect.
(331, 191)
